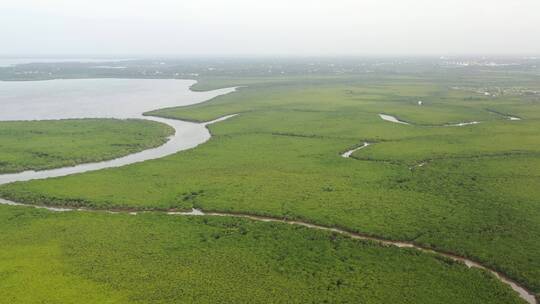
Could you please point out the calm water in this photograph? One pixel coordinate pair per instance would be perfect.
(91, 98)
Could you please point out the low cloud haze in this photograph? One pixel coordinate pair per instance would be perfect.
(277, 27)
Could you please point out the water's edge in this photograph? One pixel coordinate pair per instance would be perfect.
(187, 135)
(195, 133)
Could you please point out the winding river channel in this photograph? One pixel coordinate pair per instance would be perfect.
(105, 98)
(129, 98)
(187, 135)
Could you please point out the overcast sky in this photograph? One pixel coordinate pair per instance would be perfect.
(274, 27)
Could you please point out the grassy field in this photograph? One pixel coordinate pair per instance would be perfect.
(152, 258)
(477, 195)
(39, 145)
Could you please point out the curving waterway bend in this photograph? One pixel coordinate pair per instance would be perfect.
(106, 98)
(187, 135)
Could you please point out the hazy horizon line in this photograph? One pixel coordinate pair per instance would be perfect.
(236, 56)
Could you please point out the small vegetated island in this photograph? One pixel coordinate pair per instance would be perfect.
(40, 145)
(471, 190)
